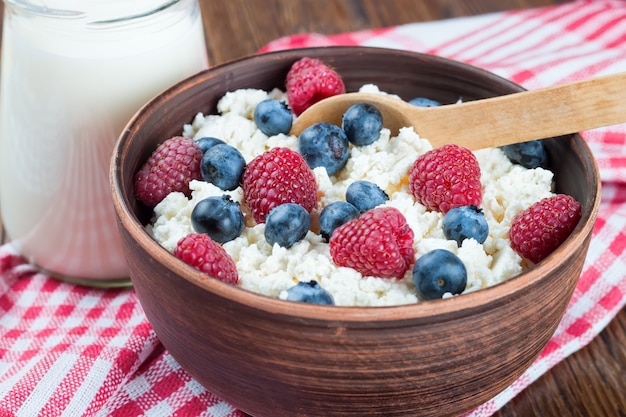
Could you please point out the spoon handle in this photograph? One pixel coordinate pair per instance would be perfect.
(535, 114)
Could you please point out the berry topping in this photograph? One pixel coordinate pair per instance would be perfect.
(377, 243)
(170, 168)
(446, 177)
(365, 195)
(309, 292)
(334, 215)
(424, 102)
(278, 176)
(540, 229)
(310, 80)
(219, 217)
(465, 222)
(223, 165)
(438, 272)
(273, 117)
(208, 142)
(530, 154)
(287, 224)
(324, 145)
(362, 123)
(206, 255)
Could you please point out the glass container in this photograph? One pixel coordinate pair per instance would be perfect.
(73, 72)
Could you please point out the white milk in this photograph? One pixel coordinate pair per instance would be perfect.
(69, 86)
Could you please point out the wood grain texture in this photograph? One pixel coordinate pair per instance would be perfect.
(591, 382)
(240, 27)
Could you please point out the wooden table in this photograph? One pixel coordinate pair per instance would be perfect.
(590, 383)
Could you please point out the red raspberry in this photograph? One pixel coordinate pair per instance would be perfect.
(310, 80)
(540, 229)
(278, 176)
(378, 243)
(208, 256)
(171, 167)
(445, 178)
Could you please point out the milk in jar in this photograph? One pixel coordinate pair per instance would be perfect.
(73, 72)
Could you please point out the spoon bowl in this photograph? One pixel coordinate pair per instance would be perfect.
(503, 120)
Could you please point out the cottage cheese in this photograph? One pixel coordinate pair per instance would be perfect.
(271, 270)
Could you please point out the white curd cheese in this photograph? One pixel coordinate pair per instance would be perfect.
(271, 270)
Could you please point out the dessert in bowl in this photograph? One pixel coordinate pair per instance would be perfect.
(269, 356)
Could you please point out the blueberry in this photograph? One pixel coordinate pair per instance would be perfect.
(424, 102)
(438, 272)
(334, 215)
(530, 154)
(465, 222)
(208, 142)
(362, 123)
(219, 217)
(273, 117)
(223, 166)
(365, 195)
(287, 224)
(324, 145)
(309, 292)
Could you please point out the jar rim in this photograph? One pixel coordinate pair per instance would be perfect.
(97, 18)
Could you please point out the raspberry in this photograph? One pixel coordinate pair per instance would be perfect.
(170, 168)
(278, 176)
(310, 80)
(445, 178)
(378, 243)
(206, 255)
(537, 231)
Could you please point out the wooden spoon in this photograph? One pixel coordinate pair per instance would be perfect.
(485, 123)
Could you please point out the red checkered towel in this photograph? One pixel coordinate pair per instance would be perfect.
(71, 351)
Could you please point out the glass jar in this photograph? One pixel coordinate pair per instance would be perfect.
(73, 73)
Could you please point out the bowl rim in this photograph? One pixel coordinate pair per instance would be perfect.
(436, 310)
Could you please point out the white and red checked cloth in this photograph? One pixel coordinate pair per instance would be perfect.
(70, 351)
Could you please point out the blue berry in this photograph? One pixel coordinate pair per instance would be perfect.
(324, 145)
(530, 154)
(310, 292)
(438, 272)
(219, 217)
(334, 215)
(362, 123)
(208, 142)
(273, 117)
(365, 195)
(287, 224)
(465, 222)
(424, 102)
(223, 166)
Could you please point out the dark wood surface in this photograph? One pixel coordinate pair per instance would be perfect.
(591, 382)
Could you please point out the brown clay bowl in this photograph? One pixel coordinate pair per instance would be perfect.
(269, 357)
